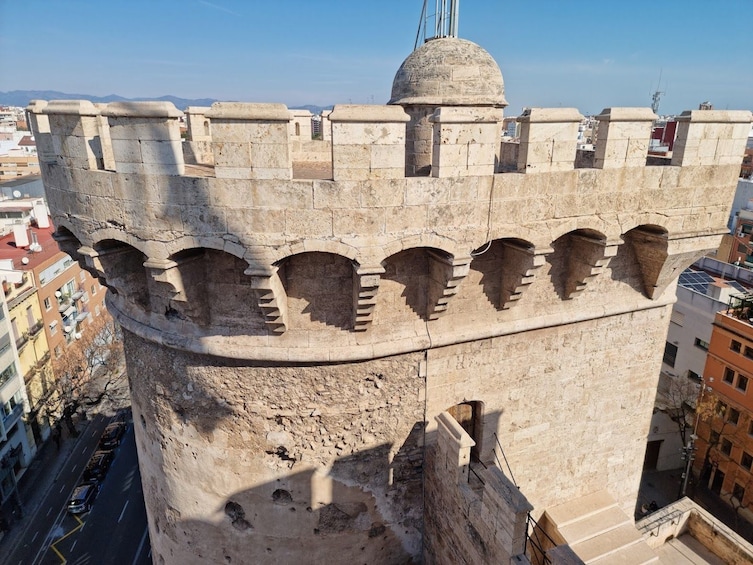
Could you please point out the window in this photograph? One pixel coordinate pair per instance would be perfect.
(47, 303)
(746, 460)
(692, 375)
(729, 375)
(82, 276)
(94, 290)
(8, 374)
(701, 344)
(734, 416)
(749, 352)
(746, 228)
(736, 346)
(726, 446)
(738, 492)
(30, 320)
(53, 327)
(58, 351)
(670, 354)
(742, 248)
(750, 427)
(742, 383)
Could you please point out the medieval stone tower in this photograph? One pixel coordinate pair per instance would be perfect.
(332, 344)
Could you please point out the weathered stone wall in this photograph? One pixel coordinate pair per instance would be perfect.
(294, 464)
(288, 340)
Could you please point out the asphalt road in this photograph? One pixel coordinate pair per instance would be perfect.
(113, 532)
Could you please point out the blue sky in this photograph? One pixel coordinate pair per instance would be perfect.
(574, 53)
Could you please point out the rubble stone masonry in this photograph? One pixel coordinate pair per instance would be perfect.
(290, 341)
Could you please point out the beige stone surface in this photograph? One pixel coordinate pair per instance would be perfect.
(290, 340)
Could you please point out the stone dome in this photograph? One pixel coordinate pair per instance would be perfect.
(449, 71)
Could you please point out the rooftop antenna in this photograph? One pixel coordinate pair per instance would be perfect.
(656, 96)
(442, 23)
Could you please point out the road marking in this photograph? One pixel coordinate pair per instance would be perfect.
(140, 547)
(48, 512)
(84, 450)
(73, 545)
(35, 536)
(123, 511)
(62, 489)
(73, 469)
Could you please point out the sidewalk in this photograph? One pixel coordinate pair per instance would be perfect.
(36, 482)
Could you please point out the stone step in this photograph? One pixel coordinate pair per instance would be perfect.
(607, 543)
(579, 508)
(636, 554)
(594, 524)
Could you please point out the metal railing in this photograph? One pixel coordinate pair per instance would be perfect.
(499, 463)
(538, 542)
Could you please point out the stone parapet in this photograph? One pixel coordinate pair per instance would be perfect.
(706, 137)
(368, 142)
(444, 258)
(622, 137)
(145, 137)
(548, 139)
(250, 141)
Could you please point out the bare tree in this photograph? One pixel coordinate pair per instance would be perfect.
(678, 397)
(88, 372)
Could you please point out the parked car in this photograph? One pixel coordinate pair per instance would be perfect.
(97, 467)
(111, 436)
(82, 498)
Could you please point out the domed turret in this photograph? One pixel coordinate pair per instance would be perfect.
(444, 71)
(449, 71)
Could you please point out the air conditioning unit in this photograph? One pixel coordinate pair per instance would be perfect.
(67, 329)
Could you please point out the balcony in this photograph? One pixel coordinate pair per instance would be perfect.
(10, 419)
(36, 328)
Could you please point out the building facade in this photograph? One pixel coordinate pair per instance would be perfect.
(724, 457)
(322, 366)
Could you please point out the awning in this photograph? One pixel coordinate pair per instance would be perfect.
(69, 311)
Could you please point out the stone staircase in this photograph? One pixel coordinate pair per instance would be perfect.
(598, 531)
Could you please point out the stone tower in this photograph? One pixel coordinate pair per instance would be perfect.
(328, 363)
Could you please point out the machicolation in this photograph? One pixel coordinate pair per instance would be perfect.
(301, 316)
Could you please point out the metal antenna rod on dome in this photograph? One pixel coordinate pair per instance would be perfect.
(445, 20)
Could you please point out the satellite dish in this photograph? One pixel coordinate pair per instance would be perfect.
(16, 194)
(58, 294)
(78, 335)
(25, 260)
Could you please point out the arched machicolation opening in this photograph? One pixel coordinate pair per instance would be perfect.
(124, 272)
(498, 270)
(406, 288)
(578, 257)
(319, 289)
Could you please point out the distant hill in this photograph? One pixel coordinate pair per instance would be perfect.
(23, 97)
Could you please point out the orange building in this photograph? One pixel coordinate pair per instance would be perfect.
(68, 296)
(724, 427)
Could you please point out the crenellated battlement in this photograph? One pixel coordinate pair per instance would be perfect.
(117, 177)
(466, 140)
(307, 322)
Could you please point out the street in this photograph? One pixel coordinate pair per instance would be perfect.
(113, 532)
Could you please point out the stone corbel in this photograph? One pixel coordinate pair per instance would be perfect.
(520, 263)
(169, 293)
(271, 297)
(662, 259)
(588, 258)
(445, 275)
(365, 286)
(93, 264)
